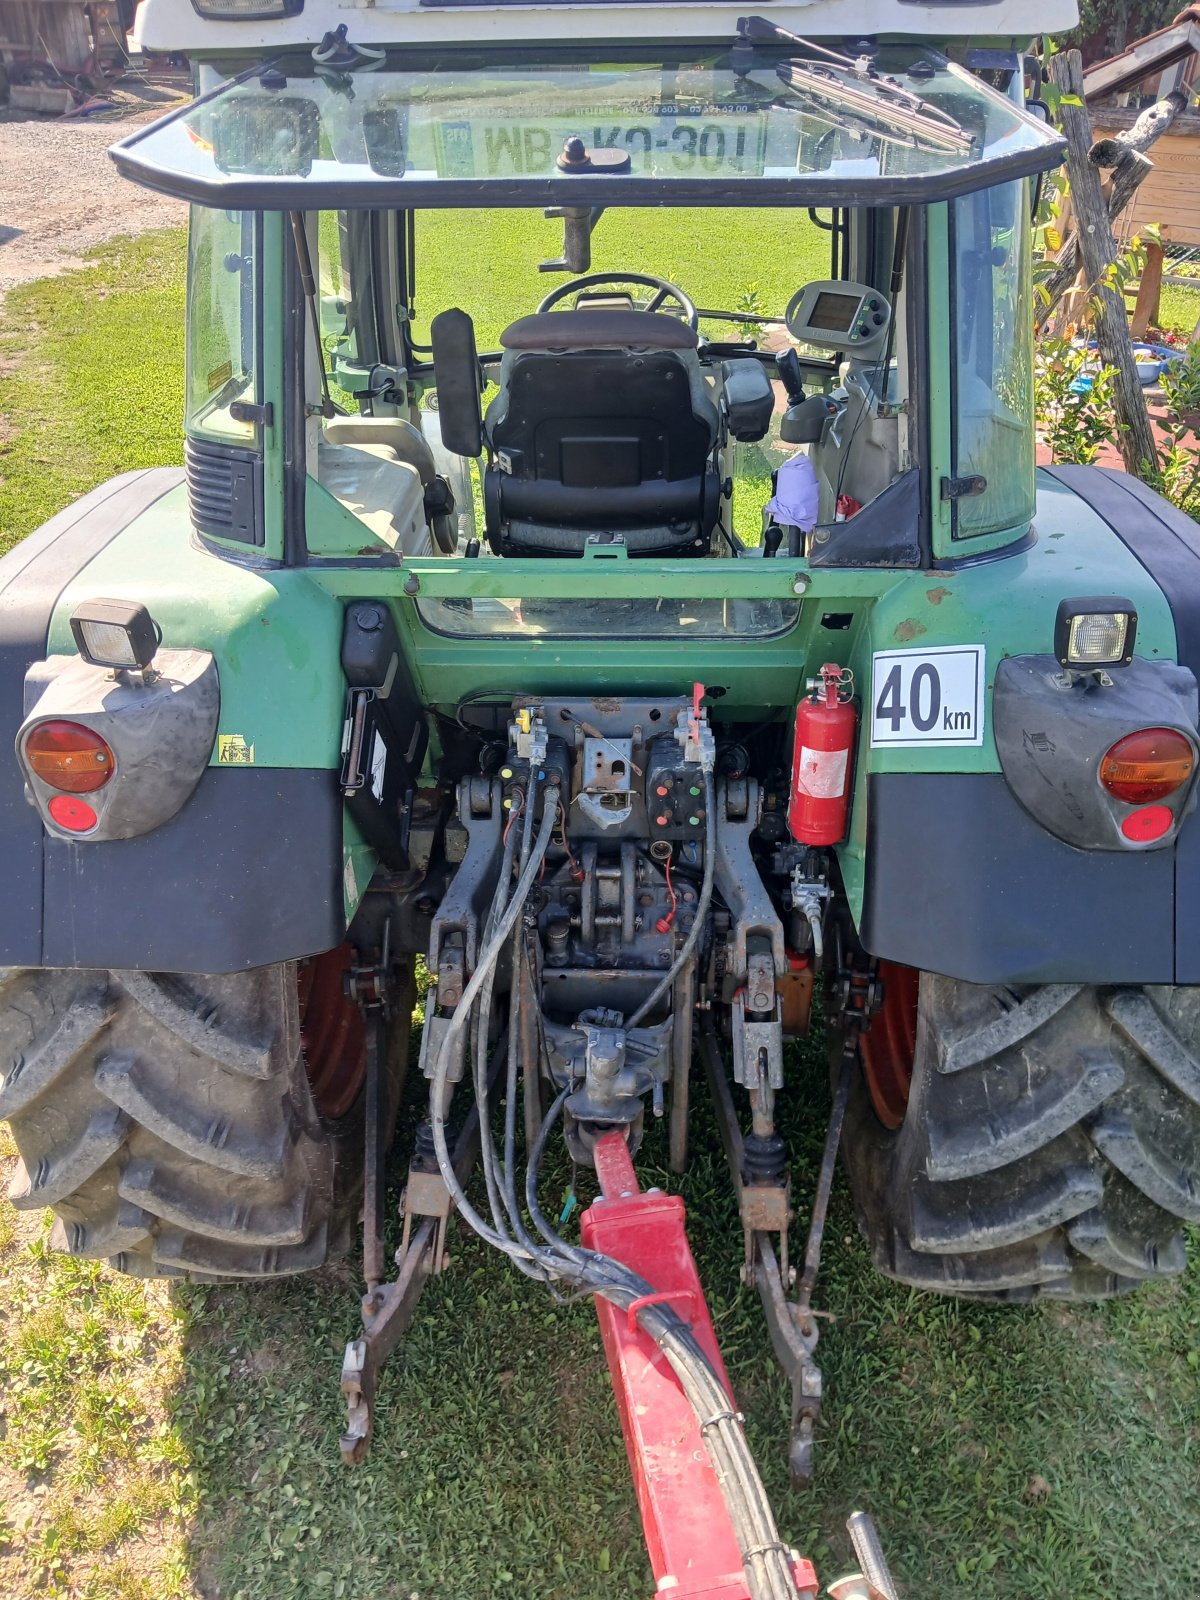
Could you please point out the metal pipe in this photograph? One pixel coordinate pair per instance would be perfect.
(871, 1559)
(820, 1210)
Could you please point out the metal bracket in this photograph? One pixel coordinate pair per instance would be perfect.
(368, 984)
(757, 1048)
(426, 1196)
(243, 411)
(963, 488)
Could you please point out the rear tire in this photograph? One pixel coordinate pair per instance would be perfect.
(170, 1122)
(1050, 1146)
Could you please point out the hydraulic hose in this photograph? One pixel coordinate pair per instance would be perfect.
(484, 968)
(480, 1051)
(765, 1559)
(663, 986)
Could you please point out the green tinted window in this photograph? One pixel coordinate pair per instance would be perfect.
(222, 328)
(993, 357)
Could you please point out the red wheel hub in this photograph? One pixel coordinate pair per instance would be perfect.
(333, 1035)
(889, 1046)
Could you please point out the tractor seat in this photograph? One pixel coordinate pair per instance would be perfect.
(603, 424)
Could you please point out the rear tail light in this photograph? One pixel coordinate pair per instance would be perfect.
(68, 756)
(1147, 765)
(71, 813)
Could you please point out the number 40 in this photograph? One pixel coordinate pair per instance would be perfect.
(926, 686)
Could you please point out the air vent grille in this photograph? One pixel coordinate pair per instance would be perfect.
(224, 486)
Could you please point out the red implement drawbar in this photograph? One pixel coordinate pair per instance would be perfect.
(693, 1551)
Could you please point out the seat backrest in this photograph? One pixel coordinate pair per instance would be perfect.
(603, 423)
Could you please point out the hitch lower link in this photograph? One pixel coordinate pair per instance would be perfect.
(690, 1536)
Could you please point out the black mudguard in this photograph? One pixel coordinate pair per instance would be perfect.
(961, 879)
(218, 888)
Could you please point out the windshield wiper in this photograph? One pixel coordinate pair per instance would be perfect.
(879, 102)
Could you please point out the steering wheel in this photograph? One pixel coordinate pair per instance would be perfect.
(664, 290)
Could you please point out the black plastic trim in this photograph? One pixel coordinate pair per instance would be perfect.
(295, 433)
(248, 873)
(962, 881)
(280, 194)
(885, 533)
(225, 490)
(916, 300)
(1051, 741)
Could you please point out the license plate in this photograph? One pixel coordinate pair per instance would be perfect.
(661, 140)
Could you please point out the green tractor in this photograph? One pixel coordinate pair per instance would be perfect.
(638, 663)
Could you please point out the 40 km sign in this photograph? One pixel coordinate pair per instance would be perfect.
(927, 697)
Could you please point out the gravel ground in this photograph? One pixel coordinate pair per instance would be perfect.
(61, 195)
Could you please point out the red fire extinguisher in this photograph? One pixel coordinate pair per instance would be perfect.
(821, 761)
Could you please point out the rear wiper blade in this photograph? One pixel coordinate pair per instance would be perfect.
(856, 84)
(883, 117)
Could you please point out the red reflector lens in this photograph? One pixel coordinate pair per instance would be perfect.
(68, 756)
(1140, 827)
(74, 815)
(1148, 765)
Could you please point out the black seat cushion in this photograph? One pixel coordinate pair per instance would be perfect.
(598, 330)
(613, 439)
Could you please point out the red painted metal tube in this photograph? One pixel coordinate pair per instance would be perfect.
(693, 1551)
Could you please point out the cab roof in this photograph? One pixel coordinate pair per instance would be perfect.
(216, 27)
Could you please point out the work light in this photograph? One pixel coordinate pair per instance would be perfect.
(246, 10)
(115, 633)
(1095, 631)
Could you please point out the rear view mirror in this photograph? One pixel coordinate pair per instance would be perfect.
(266, 135)
(384, 134)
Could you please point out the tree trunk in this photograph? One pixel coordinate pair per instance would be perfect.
(1149, 294)
(1125, 154)
(1098, 252)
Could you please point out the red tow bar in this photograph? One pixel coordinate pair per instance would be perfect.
(691, 1541)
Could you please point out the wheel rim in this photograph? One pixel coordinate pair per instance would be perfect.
(888, 1048)
(333, 1035)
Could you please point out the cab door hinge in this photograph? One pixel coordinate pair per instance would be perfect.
(243, 411)
(963, 488)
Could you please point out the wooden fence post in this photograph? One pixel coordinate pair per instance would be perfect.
(1098, 252)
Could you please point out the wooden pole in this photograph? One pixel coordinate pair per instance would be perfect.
(1149, 292)
(1098, 253)
(1125, 154)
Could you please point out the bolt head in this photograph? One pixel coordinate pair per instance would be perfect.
(800, 583)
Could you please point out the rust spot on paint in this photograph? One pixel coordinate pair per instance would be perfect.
(936, 596)
(908, 629)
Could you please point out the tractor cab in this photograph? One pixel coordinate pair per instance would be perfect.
(767, 242)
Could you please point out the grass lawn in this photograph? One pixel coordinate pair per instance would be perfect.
(164, 1441)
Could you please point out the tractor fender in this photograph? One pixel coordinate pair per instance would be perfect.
(1167, 544)
(247, 872)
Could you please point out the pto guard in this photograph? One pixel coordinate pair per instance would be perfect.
(160, 731)
(693, 1551)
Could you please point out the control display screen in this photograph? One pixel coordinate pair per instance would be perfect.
(834, 313)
